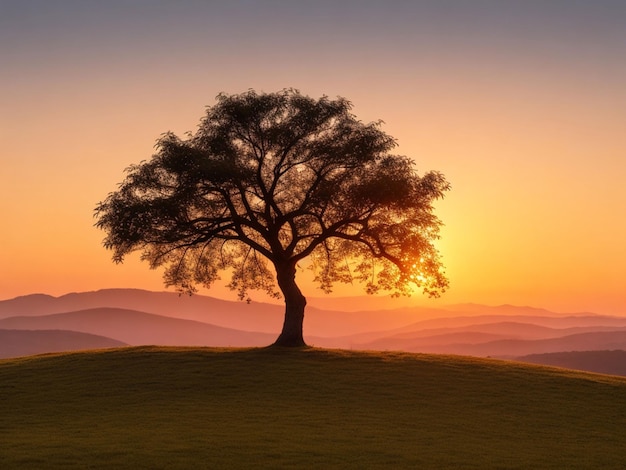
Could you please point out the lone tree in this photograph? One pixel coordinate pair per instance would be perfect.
(268, 180)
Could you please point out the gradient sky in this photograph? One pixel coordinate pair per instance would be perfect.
(521, 104)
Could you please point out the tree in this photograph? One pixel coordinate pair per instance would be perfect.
(268, 180)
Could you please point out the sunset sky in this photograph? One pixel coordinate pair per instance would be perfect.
(521, 104)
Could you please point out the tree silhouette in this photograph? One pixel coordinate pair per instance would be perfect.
(268, 180)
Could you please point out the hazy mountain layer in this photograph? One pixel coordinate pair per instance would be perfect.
(602, 362)
(140, 328)
(140, 317)
(15, 343)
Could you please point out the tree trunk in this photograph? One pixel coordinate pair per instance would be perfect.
(291, 336)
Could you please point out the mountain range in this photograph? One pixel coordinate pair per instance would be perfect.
(139, 328)
(15, 343)
(137, 317)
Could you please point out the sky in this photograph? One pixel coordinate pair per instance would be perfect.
(521, 104)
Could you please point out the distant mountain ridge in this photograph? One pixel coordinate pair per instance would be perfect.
(603, 362)
(139, 328)
(198, 308)
(15, 343)
(466, 344)
(257, 316)
(138, 317)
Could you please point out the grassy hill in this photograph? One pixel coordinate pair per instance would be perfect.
(187, 408)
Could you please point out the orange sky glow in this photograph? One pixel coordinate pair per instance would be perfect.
(521, 105)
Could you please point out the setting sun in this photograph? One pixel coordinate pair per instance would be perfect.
(327, 234)
(518, 105)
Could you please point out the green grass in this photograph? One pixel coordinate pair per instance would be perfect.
(196, 408)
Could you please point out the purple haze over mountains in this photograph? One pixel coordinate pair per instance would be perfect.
(114, 317)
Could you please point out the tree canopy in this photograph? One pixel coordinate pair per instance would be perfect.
(269, 180)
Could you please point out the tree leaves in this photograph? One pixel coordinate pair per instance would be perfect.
(279, 177)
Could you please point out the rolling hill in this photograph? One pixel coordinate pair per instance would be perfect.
(138, 317)
(15, 343)
(500, 339)
(140, 328)
(237, 315)
(256, 316)
(511, 348)
(602, 362)
(268, 318)
(182, 408)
